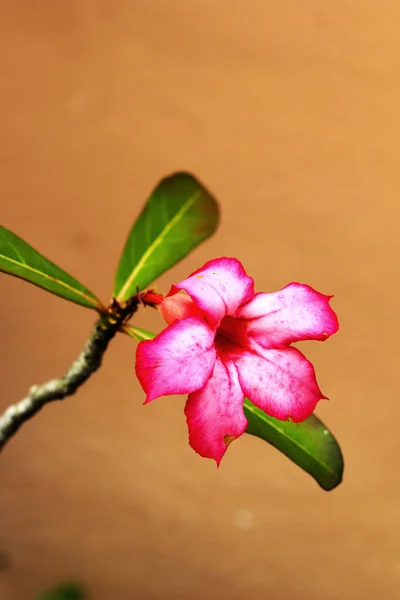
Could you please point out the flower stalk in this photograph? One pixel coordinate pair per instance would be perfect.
(87, 363)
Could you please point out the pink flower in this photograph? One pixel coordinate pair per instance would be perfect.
(224, 342)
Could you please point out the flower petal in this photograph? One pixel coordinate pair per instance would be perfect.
(179, 360)
(280, 382)
(218, 288)
(297, 312)
(178, 307)
(215, 413)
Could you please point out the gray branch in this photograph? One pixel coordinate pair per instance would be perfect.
(88, 361)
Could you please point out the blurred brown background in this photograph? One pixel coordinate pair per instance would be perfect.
(289, 112)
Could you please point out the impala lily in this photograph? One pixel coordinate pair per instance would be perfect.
(224, 342)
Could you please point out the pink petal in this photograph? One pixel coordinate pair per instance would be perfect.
(215, 413)
(218, 288)
(179, 360)
(280, 382)
(178, 307)
(297, 312)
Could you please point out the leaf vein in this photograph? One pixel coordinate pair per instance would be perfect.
(157, 241)
(24, 265)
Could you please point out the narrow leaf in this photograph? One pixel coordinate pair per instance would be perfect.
(177, 217)
(21, 260)
(137, 333)
(309, 444)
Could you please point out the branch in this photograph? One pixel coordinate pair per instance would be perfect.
(87, 363)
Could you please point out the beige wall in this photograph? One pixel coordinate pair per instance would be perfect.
(289, 112)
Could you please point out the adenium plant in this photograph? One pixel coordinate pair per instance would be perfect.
(225, 346)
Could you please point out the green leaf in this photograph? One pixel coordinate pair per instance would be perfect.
(65, 591)
(137, 333)
(21, 260)
(309, 444)
(177, 217)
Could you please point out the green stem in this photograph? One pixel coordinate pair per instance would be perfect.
(87, 363)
